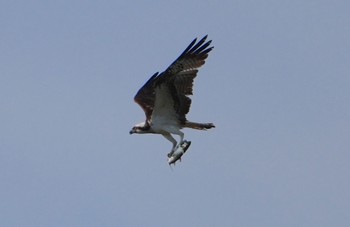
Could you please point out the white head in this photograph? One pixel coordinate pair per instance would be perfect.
(140, 128)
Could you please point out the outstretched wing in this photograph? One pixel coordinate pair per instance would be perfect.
(180, 74)
(146, 95)
(173, 86)
(192, 58)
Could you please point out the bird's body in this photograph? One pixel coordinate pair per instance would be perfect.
(164, 97)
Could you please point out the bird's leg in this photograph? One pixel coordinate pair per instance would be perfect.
(181, 134)
(172, 150)
(176, 146)
(173, 141)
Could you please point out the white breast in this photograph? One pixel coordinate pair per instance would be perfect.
(164, 116)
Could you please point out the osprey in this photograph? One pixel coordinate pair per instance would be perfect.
(164, 97)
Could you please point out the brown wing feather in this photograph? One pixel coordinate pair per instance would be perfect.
(192, 58)
(183, 84)
(180, 74)
(178, 77)
(146, 95)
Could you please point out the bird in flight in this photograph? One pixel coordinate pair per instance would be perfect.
(164, 97)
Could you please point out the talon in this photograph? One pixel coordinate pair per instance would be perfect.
(172, 152)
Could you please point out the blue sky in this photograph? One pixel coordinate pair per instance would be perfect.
(276, 85)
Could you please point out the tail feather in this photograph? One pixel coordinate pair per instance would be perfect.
(199, 126)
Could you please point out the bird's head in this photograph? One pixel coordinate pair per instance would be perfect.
(140, 128)
(134, 129)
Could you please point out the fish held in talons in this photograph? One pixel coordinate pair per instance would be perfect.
(181, 149)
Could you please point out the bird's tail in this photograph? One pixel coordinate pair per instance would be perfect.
(199, 126)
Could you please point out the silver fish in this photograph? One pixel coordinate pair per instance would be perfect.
(179, 152)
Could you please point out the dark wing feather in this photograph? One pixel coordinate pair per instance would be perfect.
(180, 74)
(192, 58)
(146, 95)
(179, 79)
(183, 84)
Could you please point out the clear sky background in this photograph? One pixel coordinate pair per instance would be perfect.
(277, 86)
